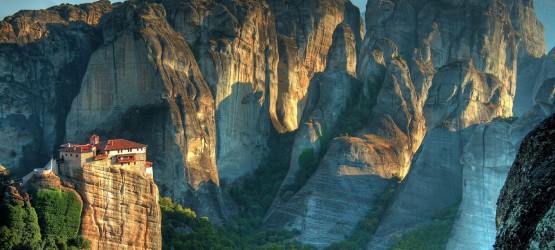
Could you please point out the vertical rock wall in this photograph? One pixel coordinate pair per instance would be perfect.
(305, 35)
(237, 47)
(120, 207)
(43, 57)
(143, 83)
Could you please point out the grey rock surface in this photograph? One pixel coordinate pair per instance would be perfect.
(340, 192)
(143, 84)
(524, 218)
(43, 57)
(236, 42)
(433, 182)
(305, 35)
(487, 159)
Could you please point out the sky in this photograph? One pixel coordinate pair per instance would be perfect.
(544, 11)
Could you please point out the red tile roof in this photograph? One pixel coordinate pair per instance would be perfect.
(118, 144)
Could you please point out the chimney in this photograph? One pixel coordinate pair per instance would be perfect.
(94, 139)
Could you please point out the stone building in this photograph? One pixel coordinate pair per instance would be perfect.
(110, 153)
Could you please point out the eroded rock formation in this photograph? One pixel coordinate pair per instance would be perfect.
(120, 208)
(236, 43)
(525, 211)
(144, 84)
(305, 35)
(43, 57)
(487, 159)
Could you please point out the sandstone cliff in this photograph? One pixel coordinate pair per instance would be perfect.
(329, 96)
(487, 159)
(305, 35)
(427, 75)
(525, 212)
(531, 45)
(120, 208)
(474, 83)
(143, 83)
(457, 74)
(43, 57)
(238, 57)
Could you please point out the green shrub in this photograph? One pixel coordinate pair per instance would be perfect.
(365, 228)
(59, 213)
(432, 235)
(308, 163)
(181, 230)
(19, 228)
(194, 50)
(80, 242)
(255, 193)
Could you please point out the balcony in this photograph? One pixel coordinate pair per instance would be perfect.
(100, 157)
(120, 159)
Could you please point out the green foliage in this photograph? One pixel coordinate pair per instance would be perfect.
(80, 243)
(19, 227)
(356, 117)
(308, 163)
(433, 235)
(59, 213)
(399, 57)
(182, 229)
(365, 228)
(256, 192)
(194, 50)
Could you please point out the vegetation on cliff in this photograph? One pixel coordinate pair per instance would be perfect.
(366, 227)
(256, 192)
(59, 213)
(433, 235)
(182, 229)
(19, 228)
(51, 221)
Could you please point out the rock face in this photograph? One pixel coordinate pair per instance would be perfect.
(43, 57)
(531, 45)
(458, 74)
(120, 208)
(237, 46)
(336, 197)
(305, 35)
(525, 211)
(120, 204)
(143, 84)
(487, 159)
(330, 94)
(474, 83)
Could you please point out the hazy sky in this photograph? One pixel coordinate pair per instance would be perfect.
(544, 11)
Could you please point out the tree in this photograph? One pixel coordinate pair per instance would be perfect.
(59, 213)
(20, 227)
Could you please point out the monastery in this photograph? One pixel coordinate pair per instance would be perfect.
(110, 153)
(97, 154)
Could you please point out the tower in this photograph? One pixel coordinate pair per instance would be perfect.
(94, 139)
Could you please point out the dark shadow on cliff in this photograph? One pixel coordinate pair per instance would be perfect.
(49, 87)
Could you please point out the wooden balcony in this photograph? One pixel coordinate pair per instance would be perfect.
(125, 159)
(101, 157)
